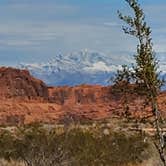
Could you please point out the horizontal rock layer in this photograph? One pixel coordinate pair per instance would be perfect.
(25, 99)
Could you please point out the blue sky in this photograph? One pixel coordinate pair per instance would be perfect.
(37, 30)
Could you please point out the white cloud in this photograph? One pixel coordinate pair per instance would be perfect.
(111, 24)
(69, 35)
(24, 7)
(15, 43)
(155, 8)
(161, 47)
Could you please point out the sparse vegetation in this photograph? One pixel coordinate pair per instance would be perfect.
(38, 146)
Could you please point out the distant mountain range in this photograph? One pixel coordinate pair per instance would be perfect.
(84, 67)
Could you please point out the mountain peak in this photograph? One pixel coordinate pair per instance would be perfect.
(80, 67)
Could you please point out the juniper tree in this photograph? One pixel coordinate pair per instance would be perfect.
(122, 86)
(144, 73)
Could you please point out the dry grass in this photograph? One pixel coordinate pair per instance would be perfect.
(11, 163)
(85, 137)
(150, 162)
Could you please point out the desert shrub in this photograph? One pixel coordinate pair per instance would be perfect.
(126, 149)
(116, 149)
(6, 145)
(36, 146)
(10, 163)
(71, 119)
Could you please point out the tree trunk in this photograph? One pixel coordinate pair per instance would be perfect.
(159, 132)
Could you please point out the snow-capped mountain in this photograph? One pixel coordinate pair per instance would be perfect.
(76, 68)
(80, 67)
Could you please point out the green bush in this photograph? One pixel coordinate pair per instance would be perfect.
(37, 146)
(104, 150)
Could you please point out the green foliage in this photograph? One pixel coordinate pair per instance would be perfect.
(34, 145)
(6, 145)
(122, 86)
(117, 149)
(145, 72)
(37, 146)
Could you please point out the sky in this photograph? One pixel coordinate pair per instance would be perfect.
(37, 30)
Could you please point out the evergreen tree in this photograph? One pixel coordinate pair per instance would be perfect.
(144, 73)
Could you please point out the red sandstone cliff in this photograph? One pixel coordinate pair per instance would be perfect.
(25, 99)
(15, 83)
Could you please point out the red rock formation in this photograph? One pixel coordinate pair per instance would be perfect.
(15, 83)
(95, 102)
(83, 94)
(25, 99)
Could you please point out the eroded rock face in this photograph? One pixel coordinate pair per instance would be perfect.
(15, 83)
(96, 102)
(25, 99)
(83, 94)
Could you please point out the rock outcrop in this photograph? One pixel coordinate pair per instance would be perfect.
(96, 102)
(25, 99)
(15, 83)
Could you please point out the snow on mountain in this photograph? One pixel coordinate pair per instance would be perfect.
(80, 67)
(75, 68)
